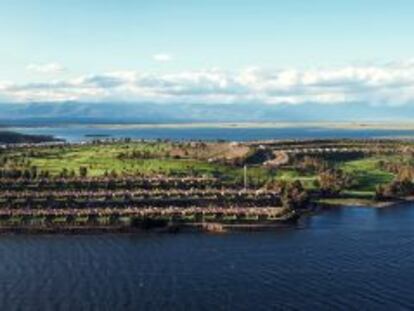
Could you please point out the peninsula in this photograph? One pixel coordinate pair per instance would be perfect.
(128, 185)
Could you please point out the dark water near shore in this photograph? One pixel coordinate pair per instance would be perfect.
(349, 258)
(82, 133)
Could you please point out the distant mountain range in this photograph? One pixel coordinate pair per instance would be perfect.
(76, 112)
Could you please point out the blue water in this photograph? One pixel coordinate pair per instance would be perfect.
(341, 259)
(80, 132)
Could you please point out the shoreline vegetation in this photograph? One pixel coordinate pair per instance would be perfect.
(9, 137)
(124, 185)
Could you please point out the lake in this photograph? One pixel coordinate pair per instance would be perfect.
(78, 133)
(340, 259)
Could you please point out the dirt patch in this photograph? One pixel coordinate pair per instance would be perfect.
(210, 151)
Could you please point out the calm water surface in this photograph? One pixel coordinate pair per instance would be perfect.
(341, 259)
(82, 132)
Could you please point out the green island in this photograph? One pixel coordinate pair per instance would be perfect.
(127, 185)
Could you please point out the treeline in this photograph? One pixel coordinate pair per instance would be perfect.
(95, 183)
(402, 170)
(238, 200)
(293, 195)
(34, 173)
(332, 181)
(7, 137)
(316, 164)
(310, 165)
(375, 144)
(401, 186)
(394, 190)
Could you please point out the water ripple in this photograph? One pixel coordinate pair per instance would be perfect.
(348, 260)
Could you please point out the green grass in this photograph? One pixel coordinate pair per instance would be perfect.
(37, 220)
(105, 158)
(358, 194)
(81, 219)
(59, 220)
(15, 220)
(347, 202)
(125, 220)
(188, 218)
(290, 175)
(104, 220)
(366, 173)
(99, 159)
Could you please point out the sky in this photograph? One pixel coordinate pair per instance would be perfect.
(221, 51)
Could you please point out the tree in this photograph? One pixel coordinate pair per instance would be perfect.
(26, 174)
(312, 165)
(83, 171)
(397, 188)
(64, 173)
(294, 196)
(33, 172)
(333, 181)
(276, 185)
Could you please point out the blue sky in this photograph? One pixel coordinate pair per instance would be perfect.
(44, 41)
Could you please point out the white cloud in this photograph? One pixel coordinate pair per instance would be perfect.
(390, 84)
(46, 68)
(162, 57)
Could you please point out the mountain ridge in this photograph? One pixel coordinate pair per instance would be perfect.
(82, 112)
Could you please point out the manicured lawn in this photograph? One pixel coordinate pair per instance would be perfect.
(366, 173)
(106, 158)
(154, 158)
(101, 159)
(290, 175)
